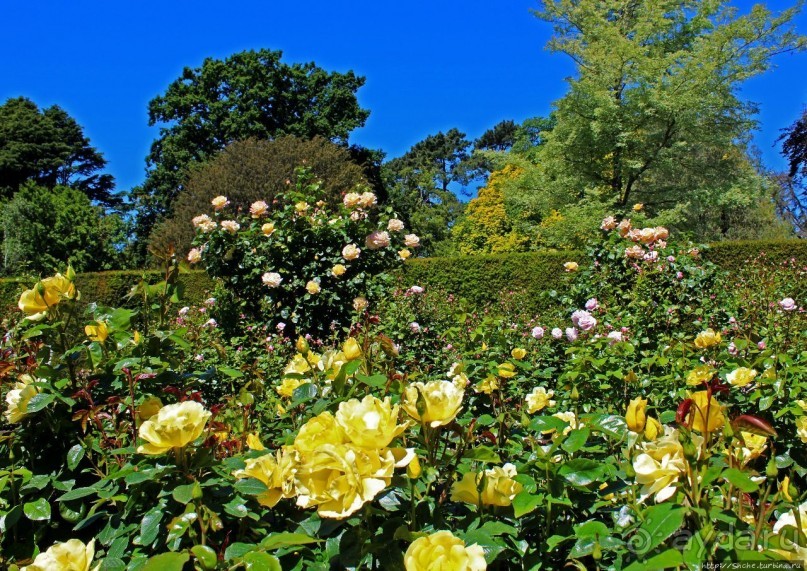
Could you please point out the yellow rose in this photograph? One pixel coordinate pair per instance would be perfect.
(369, 423)
(571, 266)
(289, 385)
(174, 426)
(351, 252)
(97, 332)
(569, 418)
(413, 470)
(338, 270)
(792, 551)
(71, 555)
(506, 370)
(276, 471)
(435, 403)
(741, 376)
(498, 488)
(338, 479)
(748, 447)
(298, 365)
(707, 414)
(301, 207)
(638, 207)
(219, 202)
(652, 429)
(331, 363)
(268, 229)
(636, 415)
(321, 429)
(33, 303)
(539, 399)
(404, 254)
(518, 353)
(443, 551)
(254, 442)
(351, 349)
(487, 386)
(699, 375)
(659, 466)
(46, 294)
(360, 304)
(17, 399)
(312, 287)
(708, 338)
(149, 407)
(801, 428)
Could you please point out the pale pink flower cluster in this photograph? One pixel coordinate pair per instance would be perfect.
(788, 304)
(195, 256)
(258, 209)
(204, 223)
(377, 240)
(230, 226)
(411, 241)
(271, 279)
(219, 202)
(584, 320)
(395, 225)
(351, 252)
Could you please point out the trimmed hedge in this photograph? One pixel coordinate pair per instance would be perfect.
(481, 280)
(109, 288)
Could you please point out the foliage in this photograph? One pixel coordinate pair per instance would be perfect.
(653, 116)
(251, 170)
(638, 442)
(48, 147)
(251, 94)
(793, 184)
(43, 226)
(300, 261)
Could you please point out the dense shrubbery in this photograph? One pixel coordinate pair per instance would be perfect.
(657, 420)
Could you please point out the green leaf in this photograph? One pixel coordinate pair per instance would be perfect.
(166, 562)
(150, 526)
(286, 539)
(259, 561)
(235, 550)
(611, 425)
(483, 454)
(38, 510)
(250, 487)
(230, 372)
(668, 559)
(77, 493)
(740, 480)
(375, 381)
(576, 439)
(581, 471)
(660, 522)
(525, 503)
(74, 456)
(40, 401)
(184, 494)
(206, 556)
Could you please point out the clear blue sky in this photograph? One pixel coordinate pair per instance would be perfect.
(430, 65)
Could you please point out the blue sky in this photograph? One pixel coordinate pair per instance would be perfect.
(430, 65)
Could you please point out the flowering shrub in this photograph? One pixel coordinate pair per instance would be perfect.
(592, 438)
(298, 261)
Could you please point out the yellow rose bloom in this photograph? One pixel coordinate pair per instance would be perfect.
(435, 403)
(46, 294)
(254, 442)
(793, 551)
(518, 353)
(486, 386)
(59, 287)
(539, 399)
(707, 414)
(276, 471)
(404, 254)
(338, 270)
(659, 466)
(370, 422)
(652, 429)
(321, 429)
(33, 303)
(741, 376)
(298, 365)
(312, 287)
(150, 406)
(17, 399)
(268, 229)
(636, 415)
(699, 375)
(71, 555)
(708, 338)
(174, 426)
(442, 551)
(571, 266)
(351, 349)
(97, 332)
(499, 487)
(506, 370)
(801, 428)
(339, 479)
(413, 469)
(749, 447)
(638, 207)
(289, 384)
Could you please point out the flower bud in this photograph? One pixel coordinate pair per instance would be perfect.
(771, 470)
(302, 345)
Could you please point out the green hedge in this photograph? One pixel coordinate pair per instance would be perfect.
(109, 288)
(481, 280)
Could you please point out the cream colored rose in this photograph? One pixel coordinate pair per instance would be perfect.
(71, 555)
(741, 376)
(377, 240)
(350, 252)
(351, 200)
(195, 256)
(367, 200)
(659, 466)
(411, 241)
(174, 426)
(230, 226)
(792, 551)
(539, 399)
(258, 209)
(442, 550)
(395, 225)
(271, 279)
(219, 202)
(204, 223)
(276, 471)
(499, 487)
(435, 403)
(17, 399)
(370, 422)
(339, 479)
(360, 304)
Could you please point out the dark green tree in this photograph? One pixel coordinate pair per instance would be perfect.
(792, 196)
(49, 148)
(252, 94)
(43, 228)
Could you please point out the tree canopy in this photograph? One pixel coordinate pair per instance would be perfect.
(653, 115)
(48, 147)
(251, 94)
(792, 198)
